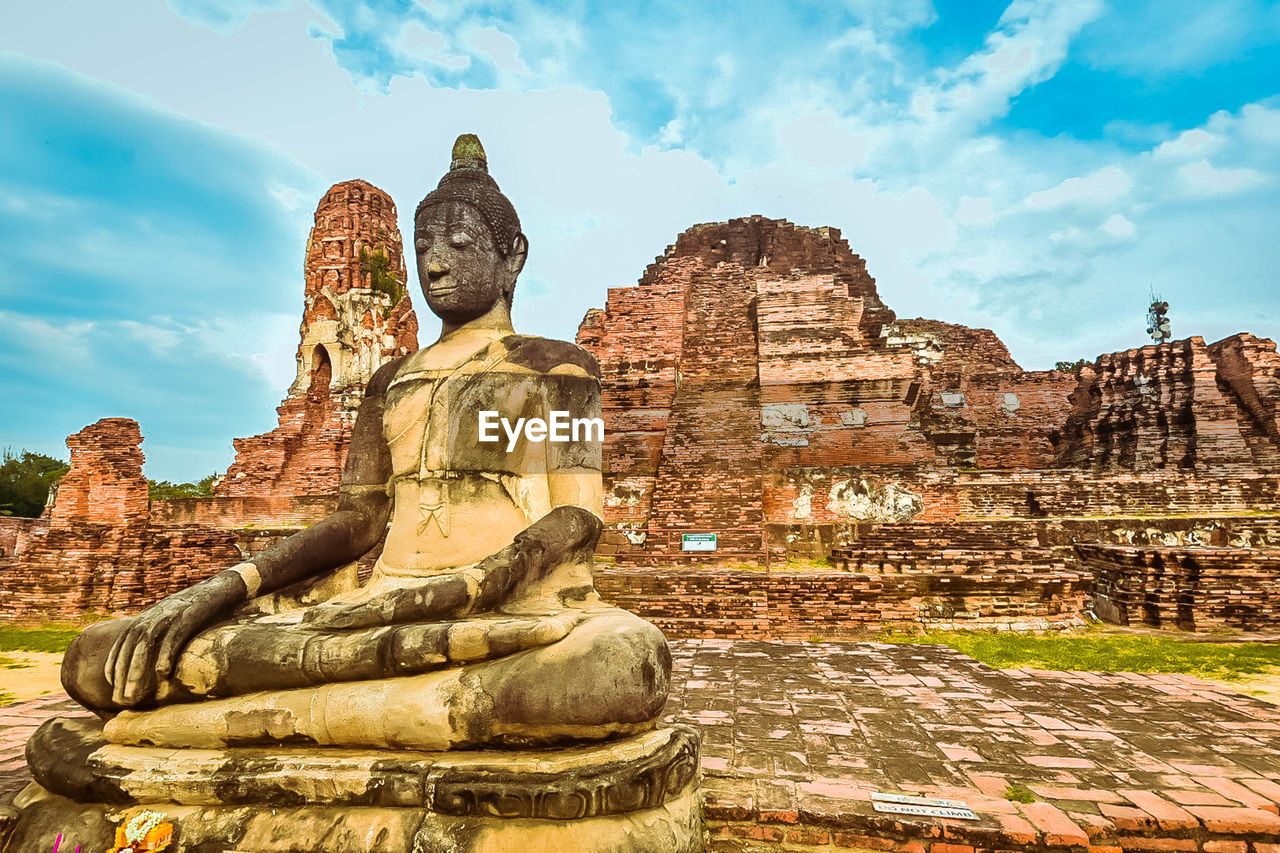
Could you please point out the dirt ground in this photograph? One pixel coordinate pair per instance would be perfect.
(38, 678)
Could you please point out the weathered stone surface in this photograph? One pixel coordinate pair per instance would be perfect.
(349, 330)
(105, 484)
(674, 826)
(638, 772)
(796, 736)
(755, 348)
(755, 386)
(1178, 405)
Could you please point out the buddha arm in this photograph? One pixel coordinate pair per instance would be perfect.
(359, 521)
(145, 653)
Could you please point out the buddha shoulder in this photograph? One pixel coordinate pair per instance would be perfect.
(551, 357)
(383, 377)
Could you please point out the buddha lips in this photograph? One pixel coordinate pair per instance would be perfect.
(559, 428)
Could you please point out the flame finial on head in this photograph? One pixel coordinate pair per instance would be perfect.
(468, 153)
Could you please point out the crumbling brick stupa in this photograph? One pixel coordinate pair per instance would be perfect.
(756, 386)
(356, 317)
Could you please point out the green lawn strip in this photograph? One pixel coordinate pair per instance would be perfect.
(1095, 652)
(54, 638)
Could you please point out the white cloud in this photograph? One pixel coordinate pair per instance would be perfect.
(975, 211)
(1119, 227)
(1100, 187)
(1201, 178)
(159, 336)
(499, 47)
(1196, 142)
(64, 343)
(955, 220)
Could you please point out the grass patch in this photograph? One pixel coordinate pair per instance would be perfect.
(1015, 793)
(7, 662)
(51, 638)
(812, 564)
(1094, 651)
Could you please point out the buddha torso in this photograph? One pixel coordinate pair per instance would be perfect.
(447, 485)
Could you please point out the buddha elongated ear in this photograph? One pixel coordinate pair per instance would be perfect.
(519, 253)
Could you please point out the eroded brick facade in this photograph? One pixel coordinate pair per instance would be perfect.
(105, 484)
(1183, 404)
(350, 328)
(756, 347)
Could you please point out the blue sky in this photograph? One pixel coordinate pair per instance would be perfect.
(1030, 167)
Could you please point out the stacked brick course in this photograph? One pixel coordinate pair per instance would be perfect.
(349, 330)
(1187, 588)
(15, 533)
(105, 484)
(1177, 405)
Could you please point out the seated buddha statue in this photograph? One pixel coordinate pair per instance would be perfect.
(480, 625)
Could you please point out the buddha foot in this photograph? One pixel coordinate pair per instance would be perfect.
(637, 793)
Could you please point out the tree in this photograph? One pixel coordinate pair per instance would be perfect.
(25, 480)
(1070, 366)
(163, 490)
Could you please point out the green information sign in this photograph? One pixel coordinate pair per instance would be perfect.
(697, 541)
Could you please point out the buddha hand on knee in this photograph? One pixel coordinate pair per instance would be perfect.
(566, 534)
(146, 652)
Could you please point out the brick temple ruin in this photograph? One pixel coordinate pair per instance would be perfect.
(757, 387)
(99, 552)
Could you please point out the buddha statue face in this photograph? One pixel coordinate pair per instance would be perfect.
(462, 272)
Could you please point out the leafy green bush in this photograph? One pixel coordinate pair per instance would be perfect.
(381, 277)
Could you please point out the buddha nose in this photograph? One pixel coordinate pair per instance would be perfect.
(437, 268)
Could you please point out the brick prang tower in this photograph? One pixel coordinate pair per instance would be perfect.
(356, 317)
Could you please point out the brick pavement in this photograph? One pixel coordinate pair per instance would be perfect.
(796, 737)
(17, 722)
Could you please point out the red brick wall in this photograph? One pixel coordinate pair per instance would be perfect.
(263, 511)
(15, 533)
(700, 602)
(106, 569)
(1177, 405)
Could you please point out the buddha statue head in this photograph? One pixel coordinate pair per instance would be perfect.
(468, 241)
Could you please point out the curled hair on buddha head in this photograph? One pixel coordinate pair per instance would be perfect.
(468, 181)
